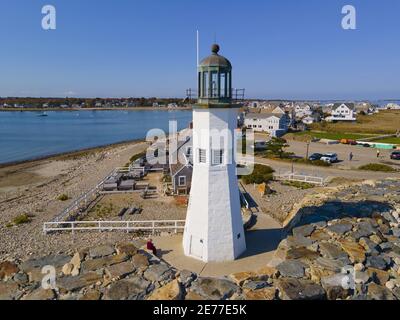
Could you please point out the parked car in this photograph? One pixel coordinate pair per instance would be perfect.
(349, 141)
(315, 157)
(330, 157)
(395, 155)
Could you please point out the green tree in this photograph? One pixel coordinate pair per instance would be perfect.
(276, 147)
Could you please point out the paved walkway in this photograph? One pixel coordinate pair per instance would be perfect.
(325, 172)
(262, 241)
(362, 155)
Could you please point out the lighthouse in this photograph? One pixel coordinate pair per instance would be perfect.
(214, 226)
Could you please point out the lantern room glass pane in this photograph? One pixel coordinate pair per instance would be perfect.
(223, 85)
(214, 84)
(205, 86)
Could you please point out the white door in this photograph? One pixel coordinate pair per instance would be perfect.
(196, 247)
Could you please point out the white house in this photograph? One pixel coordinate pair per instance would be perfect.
(273, 123)
(302, 111)
(342, 112)
(392, 106)
(308, 120)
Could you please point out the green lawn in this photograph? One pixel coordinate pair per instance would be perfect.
(334, 135)
(389, 140)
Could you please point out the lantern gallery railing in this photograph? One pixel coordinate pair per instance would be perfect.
(152, 226)
(237, 94)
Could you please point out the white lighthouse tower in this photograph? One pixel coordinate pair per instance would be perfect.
(214, 227)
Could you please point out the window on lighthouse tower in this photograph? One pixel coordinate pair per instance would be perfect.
(217, 157)
(202, 156)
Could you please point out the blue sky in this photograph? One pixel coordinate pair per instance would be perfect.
(287, 49)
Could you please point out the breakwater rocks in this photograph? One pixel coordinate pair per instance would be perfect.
(345, 245)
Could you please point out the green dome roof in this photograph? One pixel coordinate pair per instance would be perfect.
(215, 60)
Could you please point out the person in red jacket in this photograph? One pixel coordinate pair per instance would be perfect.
(151, 247)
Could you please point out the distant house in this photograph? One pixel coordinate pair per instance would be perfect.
(181, 168)
(308, 120)
(342, 112)
(393, 106)
(302, 111)
(273, 123)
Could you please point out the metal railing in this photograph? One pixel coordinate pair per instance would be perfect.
(84, 200)
(300, 178)
(127, 226)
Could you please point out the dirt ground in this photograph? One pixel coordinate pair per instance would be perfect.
(280, 202)
(156, 207)
(33, 188)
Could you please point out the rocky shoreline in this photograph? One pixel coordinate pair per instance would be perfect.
(339, 250)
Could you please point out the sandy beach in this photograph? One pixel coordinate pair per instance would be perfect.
(33, 187)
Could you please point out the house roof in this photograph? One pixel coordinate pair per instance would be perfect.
(179, 154)
(264, 115)
(348, 105)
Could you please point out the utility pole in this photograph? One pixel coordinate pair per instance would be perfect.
(308, 149)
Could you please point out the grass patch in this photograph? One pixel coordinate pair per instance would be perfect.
(309, 135)
(384, 122)
(377, 167)
(392, 140)
(318, 163)
(260, 174)
(63, 197)
(21, 219)
(137, 156)
(298, 184)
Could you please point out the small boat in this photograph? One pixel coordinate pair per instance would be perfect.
(44, 114)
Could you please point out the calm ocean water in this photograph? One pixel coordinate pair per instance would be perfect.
(27, 135)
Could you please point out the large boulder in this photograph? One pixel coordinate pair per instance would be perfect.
(159, 272)
(214, 289)
(292, 269)
(331, 251)
(95, 264)
(340, 228)
(101, 251)
(120, 270)
(127, 248)
(140, 261)
(296, 289)
(267, 293)
(376, 262)
(8, 290)
(76, 283)
(241, 277)
(377, 292)
(355, 251)
(171, 291)
(40, 294)
(303, 231)
(128, 289)
(7, 270)
(35, 265)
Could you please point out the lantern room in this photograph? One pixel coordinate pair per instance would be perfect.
(215, 80)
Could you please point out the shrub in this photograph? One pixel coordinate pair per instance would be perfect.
(21, 219)
(298, 184)
(63, 197)
(137, 156)
(377, 167)
(260, 174)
